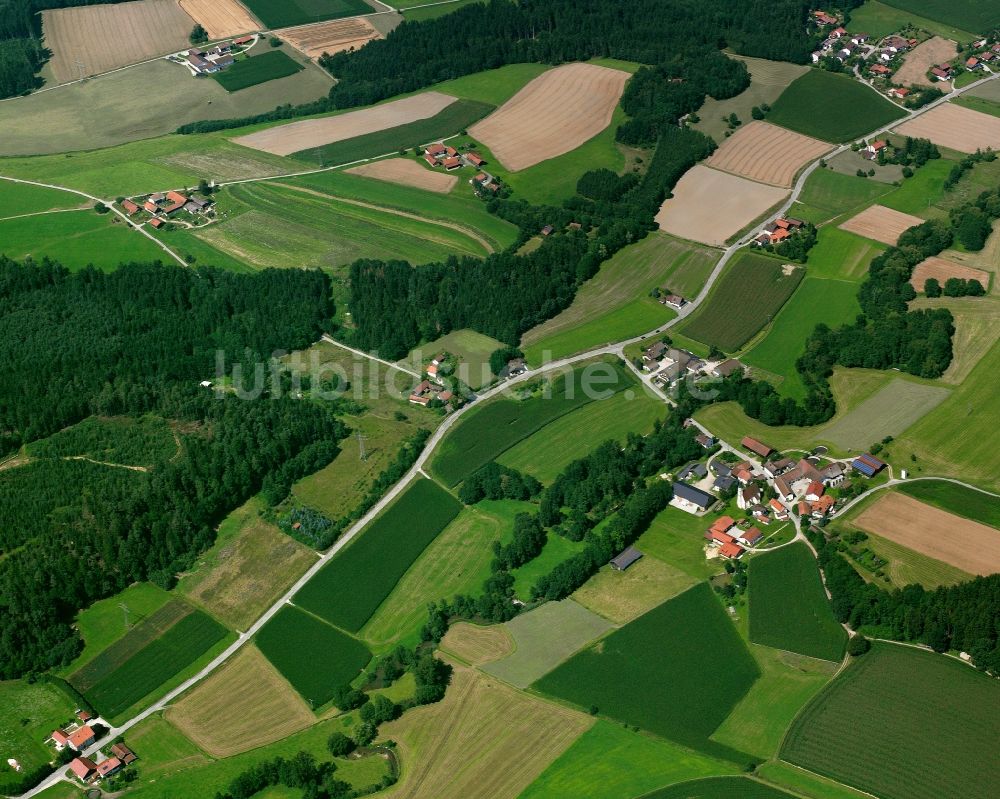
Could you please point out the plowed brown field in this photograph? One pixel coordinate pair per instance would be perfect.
(956, 127)
(941, 269)
(968, 545)
(767, 153)
(331, 37)
(555, 113)
(407, 173)
(221, 18)
(880, 224)
(89, 40)
(297, 136)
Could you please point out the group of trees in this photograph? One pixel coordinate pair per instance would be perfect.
(954, 287)
(494, 481)
(301, 771)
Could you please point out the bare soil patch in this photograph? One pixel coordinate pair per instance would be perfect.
(953, 126)
(963, 543)
(554, 114)
(407, 173)
(511, 736)
(881, 224)
(331, 37)
(89, 40)
(243, 705)
(221, 18)
(922, 58)
(709, 206)
(476, 644)
(767, 153)
(298, 136)
(942, 269)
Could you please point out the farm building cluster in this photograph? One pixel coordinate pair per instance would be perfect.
(669, 364)
(432, 387)
(78, 737)
(160, 207)
(444, 155)
(777, 231)
(215, 59)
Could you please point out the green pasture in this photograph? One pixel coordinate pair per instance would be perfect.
(957, 499)
(831, 107)
(840, 255)
(546, 453)
(285, 13)
(315, 657)
(557, 549)
(349, 589)
(918, 195)
(978, 104)
(881, 18)
(259, 69)
(905, 566)
(973, 15)
(837, 194)
(677, 538)
(676, 671)
(17, 199)
(788, 607)
(720, 788)
(609, 761)
(924, 719)
(472, 350)
(805, 783)
(29, 712)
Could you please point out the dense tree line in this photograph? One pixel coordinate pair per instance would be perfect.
(316, 780)
(962, 617)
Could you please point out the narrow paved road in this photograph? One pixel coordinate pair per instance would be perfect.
(449, 422)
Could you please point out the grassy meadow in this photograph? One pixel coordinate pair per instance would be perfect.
(29, 712)
(259, 69)
(624, 596)
(677, 539)
(880, 18)
(557, 549)
(835, 194)
(285, 13)
(472, 350)
(17, 199)
(970, 14)
(956, 499)
(720, 788)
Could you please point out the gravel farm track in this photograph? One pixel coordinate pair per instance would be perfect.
(554, 114)
(879, 223)
(767, 154)
(221, 18)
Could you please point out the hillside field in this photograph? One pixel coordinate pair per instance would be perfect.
(788, 608)
(349, 589)
(661, 672)
(831, 107)
(932, 714)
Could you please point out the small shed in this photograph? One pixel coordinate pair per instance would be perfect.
(625, 559)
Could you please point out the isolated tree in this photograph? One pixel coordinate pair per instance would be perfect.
(340, 745)
(757, 112)
(198, 35)
(858, 645)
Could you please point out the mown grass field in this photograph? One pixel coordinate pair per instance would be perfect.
(838, 194)
(349, 589)
(615, 303)
(624, 596)
(831, 107)
(676, 538)
(932, 715)
(315, 657)
(491, 430)
(970, 14)
(285, 13)
(544, 638)
(249, 566)
(456, 562)
(956, 499)
(546, 453)
(720, 788)
(446, 123)
(259, 69)
(881, 18)
(654, 672)
(18, 198)
(77, 239)
(28, 714)
(122, 675)
(839, 255)
(609, 762)
(748, 296)
(788, 608)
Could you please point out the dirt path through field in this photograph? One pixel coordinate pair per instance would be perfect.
(960, 542)
(440, 223)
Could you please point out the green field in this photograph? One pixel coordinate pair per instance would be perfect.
(259, 69)
(918, 195)
(990, 107)
(123, 674)
(609, 762)
(349, 589)
(831, 107)
(749, 294)
(836, 194)
(615, 303)
(77, 239)
(285, 13)
(472, 350)
(456, 562)
(17, 199)
(677, 671)
(676, 538)
(880, 19)
(905, 566)
(491, 430)
(431, 11)
(788, 608)
(973, 15)
(313, 656)
(923, 720)
(839, 255)
(543, 638)
(557, 549)
(956, 499)
(805, 783)
(831, 302)
(29, 712)
(546, 453)
(720, 788)
(449, 121)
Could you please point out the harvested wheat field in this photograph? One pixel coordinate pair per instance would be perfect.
(89, 40)
(709, 206)
(941, 269)
(963, 543)
(243, 705)
(477, 645)
(881, 224)
(407, 173)
(331, 37)
(298, 136)
(767, 153)
(483, 739)
(555, 113)
(221, 18)
(922, 58)
(956, 127)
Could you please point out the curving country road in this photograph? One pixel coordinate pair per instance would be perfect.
(418, 467)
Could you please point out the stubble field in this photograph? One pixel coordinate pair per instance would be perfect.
(408, 173)
(941, 269)
(767, 153)
(955, 127)
(331, 37)
(221, 18)
(880, 224)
